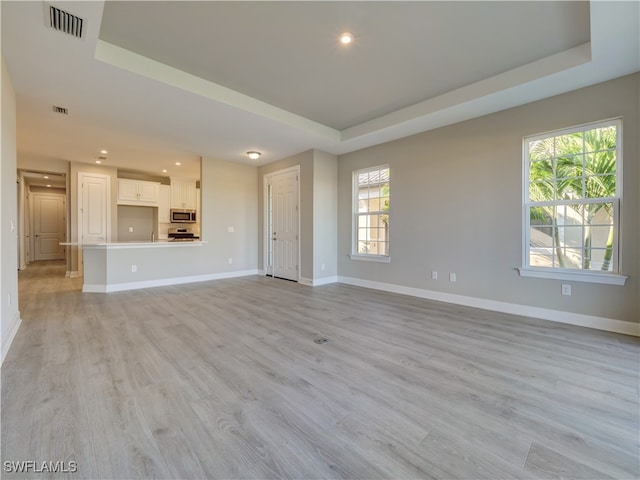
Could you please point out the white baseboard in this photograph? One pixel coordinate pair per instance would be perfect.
(318, 281)
(120, 287)
(7, 340)
(72, 274)
(590, 321)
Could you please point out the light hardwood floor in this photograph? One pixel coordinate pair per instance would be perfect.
(224, 380)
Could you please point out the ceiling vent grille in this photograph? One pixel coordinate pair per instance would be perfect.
(62, 110)
(65, 22)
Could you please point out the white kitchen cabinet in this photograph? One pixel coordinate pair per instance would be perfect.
(138, 192)
(164, 204)
(183, 193)
(198, 205)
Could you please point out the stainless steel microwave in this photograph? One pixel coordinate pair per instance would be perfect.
(179, 215)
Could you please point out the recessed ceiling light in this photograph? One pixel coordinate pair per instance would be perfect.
(164, 170)
(178, 164)
(253, 155)
(98, 161)
(46, 177)
(48, 186)
(104, 152)
(346, 38)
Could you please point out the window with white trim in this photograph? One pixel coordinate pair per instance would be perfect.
(371, 213)
(572, 191)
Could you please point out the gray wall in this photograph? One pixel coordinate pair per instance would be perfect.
(9, 314)
(456, 205)
(142, 219)
(325, 215)
(229, 199)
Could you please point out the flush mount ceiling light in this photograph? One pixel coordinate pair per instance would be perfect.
(346, 38)
(253, 155)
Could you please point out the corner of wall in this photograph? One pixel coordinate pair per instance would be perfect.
(9, 313)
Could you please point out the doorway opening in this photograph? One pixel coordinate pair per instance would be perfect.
(42, 216)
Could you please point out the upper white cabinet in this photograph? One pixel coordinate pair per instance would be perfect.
(164, 204)
(183, 193)
(138, 192)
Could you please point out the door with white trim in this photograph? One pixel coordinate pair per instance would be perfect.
(94, 208)
(283, 235)
(49, 226)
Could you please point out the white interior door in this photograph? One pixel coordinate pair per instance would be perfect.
(284, 234)
(94, 207)
(49, 226)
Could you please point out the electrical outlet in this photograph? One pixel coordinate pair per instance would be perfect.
(134, 268)
(322, 267)
(452, 277)
(566, 289)
(230, 260)
(230, 229)
(130, 229)
(434, 275)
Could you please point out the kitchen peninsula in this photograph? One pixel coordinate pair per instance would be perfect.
(118, 266)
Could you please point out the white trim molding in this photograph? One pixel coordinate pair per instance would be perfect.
(370, 258)
(588, 277)
(164, 282)
(318, 281)
(589, 321)
(7, 339)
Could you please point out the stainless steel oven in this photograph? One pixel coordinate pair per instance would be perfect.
(179, 215)
(182, 234)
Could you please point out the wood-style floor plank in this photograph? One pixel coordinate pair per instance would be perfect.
(224, 380)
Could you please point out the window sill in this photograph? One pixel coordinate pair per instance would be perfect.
(590, 277)
(370, 258)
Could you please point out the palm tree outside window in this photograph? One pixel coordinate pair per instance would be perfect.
(572, 198)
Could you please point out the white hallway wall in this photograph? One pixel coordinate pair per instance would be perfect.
(10, 315)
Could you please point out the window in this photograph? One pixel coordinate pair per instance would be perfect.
(571, 199)
(371, 213)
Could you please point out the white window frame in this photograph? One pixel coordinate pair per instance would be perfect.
(355, 186)
(566, 274)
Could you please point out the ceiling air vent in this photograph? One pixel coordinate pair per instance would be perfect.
(62, 110)
(65, 22)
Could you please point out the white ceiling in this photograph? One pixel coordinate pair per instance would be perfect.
(157, 83)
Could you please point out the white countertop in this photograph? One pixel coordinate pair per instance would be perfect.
(140, 244)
